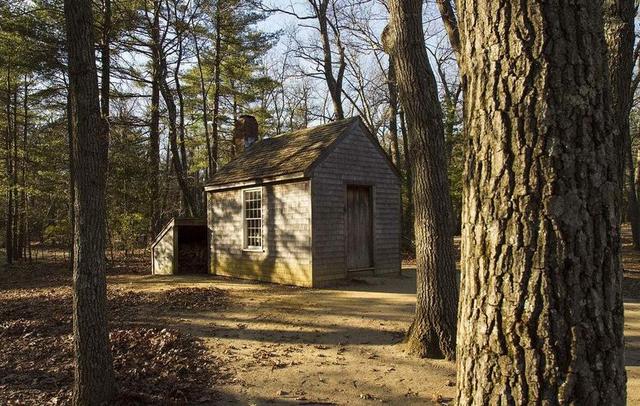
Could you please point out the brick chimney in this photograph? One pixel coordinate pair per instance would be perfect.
(245, 132)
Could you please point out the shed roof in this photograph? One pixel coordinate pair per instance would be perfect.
(284, 154)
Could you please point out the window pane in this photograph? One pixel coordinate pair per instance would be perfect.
(253, 218)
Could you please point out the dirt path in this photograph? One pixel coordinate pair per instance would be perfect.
(307, 346)
(282, 345)
(632, 352)
(332, 346)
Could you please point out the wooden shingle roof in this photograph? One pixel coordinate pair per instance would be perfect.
(283, 154)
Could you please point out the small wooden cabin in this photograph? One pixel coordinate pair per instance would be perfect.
(305, 208)
(180, 248)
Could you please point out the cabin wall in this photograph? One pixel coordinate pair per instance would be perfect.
(354, 161)
(286, 255)
(163, 255)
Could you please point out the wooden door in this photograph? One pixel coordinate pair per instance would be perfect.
(359, 228)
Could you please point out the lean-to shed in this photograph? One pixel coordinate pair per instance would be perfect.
(305, 208)
(180, 248)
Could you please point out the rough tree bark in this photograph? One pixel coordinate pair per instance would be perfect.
(433, 331)
(619, 34)
(94, 380)
(541, 315)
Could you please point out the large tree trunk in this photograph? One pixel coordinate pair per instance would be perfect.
(619, 33)
(94, 379)
(154, 130)
(433, 331)
(541, 315)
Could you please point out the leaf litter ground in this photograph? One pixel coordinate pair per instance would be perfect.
(153, 365)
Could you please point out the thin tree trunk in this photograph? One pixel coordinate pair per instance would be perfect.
(164, 200)
(191, 208)
(217, 62)
(205, 111)
(8, 168)
(407, 211)
(393, 113)
(618, 16)
(541, 312)
(154, 130)
(334, 82)
(633, 206)
(72, 190)
(24, 239)
(14, 173)
(181, 129)
(180, 125)
(94, 379)
(637, 170)
(433, 331)
(105, 51)
(450, 24)
(619, 33)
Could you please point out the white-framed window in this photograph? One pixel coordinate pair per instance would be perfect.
(252, 213)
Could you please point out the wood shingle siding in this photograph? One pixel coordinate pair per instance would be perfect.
(286, 254)
(163, 260)
(356, 160)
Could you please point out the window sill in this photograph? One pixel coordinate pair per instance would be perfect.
(253, 250)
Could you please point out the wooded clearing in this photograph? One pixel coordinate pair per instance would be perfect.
(262, 344)
(153, 148)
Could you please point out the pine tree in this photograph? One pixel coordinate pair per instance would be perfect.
(94, 379)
